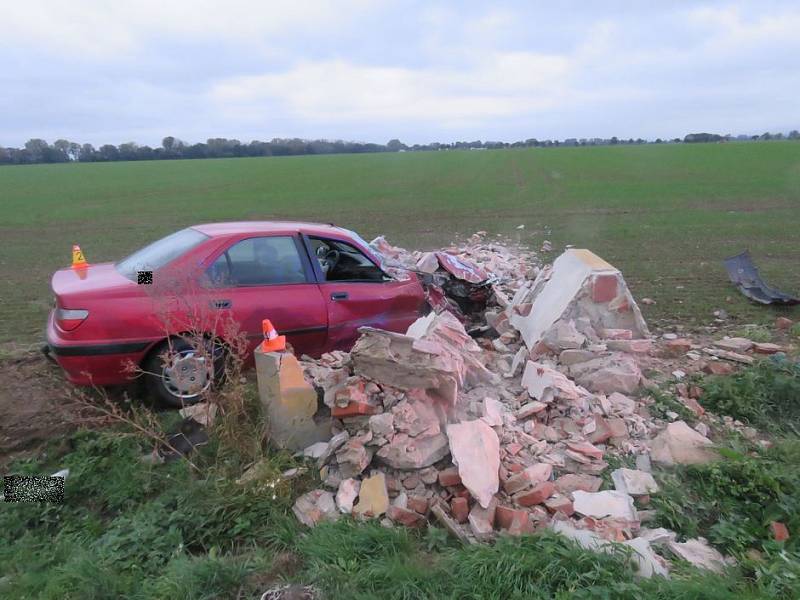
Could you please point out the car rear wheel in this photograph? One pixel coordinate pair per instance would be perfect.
(178, 374)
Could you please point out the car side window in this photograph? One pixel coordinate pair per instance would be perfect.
(258, 261)
(341, 261)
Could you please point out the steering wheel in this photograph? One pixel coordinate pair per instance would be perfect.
(329, 260)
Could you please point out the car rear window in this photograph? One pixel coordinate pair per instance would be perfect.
(160, 253)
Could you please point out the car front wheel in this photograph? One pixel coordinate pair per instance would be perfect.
(177, 373)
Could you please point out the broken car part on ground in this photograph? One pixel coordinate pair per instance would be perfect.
(745, 276)
(501, 420)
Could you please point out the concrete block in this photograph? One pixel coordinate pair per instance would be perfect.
(290, 404)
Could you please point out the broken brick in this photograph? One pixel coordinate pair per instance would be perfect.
(404, 516)
(530, 476)
(417, 504)
(586, 449)
(642, 346)
(617, 334)
(460, 509)
(716, 367)
(566, 484)
(353, 409)
(677, 347)
(411, 482)
(515, 521)
(604, 288)
(693, 405)
(780, 532)
(560, 504)
(602, 431)
(514, 448)
(538, 494)
(766, 348)
(449, 477)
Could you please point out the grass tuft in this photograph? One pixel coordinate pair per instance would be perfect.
(765, 395)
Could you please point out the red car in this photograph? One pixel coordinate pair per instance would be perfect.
(317, 284)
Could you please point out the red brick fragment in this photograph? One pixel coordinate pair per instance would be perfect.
(353, 409)
(560, 504)
(566, 484)
(716, 367)
(449, 477)
(677, 347)
(404, 516)
(604, 288)
(514, 448)
(536, 495)
(586, 449)
(418, 504)
(766, 348)
(411, 482)
(460, 509)
(694, 406)
(779, 531)
(617, 334)
(515, 521)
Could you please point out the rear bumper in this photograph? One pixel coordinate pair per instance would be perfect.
(94, 363)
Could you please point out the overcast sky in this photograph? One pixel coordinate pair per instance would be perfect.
(111, 71)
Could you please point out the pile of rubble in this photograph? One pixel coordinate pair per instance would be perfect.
(504, 426)
(462, 280)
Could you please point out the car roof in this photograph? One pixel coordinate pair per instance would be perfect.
(237, 227)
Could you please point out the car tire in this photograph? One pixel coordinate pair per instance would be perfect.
(172, 383)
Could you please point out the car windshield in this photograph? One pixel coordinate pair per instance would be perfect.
(381, 258)
(160, 253)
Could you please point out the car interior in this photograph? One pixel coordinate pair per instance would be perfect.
(258, 261)
(342, 262)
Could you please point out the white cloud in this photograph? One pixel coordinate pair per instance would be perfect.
(499, 85)
(372, 70)
(101, 29)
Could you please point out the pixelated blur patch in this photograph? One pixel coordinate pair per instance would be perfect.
(33, 488)
(144, 277)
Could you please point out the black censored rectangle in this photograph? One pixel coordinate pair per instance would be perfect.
(144, 277)
(33, 488)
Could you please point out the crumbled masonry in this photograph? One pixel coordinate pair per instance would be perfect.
(497, 412)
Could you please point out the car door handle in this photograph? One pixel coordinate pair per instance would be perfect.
(221, 304)
(339, 296)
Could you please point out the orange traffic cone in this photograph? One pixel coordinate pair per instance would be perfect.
(272, 341)
(78, 260)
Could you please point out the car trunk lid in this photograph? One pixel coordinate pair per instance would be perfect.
(70, 284)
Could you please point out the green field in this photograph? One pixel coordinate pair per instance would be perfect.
(665, 214)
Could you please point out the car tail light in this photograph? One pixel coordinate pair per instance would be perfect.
(68, 319)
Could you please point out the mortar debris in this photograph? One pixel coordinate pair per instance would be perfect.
(497, 413)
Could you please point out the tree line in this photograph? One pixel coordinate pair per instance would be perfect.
(61, 151)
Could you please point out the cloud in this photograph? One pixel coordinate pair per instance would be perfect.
(371, 70)
(100, 30)
(499, 85)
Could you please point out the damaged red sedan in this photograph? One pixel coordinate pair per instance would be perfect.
(317, 284)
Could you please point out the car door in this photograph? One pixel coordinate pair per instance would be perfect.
(270, 277)
(358, 293)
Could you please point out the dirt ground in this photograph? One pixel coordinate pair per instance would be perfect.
(34, 405)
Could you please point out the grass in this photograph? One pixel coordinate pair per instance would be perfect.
(136, 530)
(665, 214)
(765, 395)
(755, 333)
